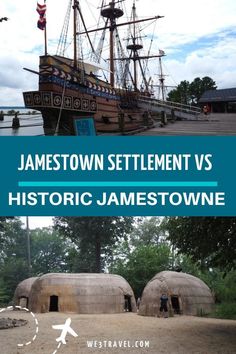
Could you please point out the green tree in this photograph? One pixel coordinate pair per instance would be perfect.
(13, 256)
(94, 237)
(48, 254)
(13, 240)
(79, 261)
(190, 93)
(209, 240)
(181, 94)
(12, 273)
(148, 231)
(3, 293)
(185, 264)
(3, 225)
(199, 86)
(48, 251)
(143, 263)
(223, 285)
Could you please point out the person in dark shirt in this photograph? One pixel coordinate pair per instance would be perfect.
(164, 305)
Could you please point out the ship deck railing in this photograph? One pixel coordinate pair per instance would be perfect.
(180, 110)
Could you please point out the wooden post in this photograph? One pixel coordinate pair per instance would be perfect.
(16, 122)
(28, 245)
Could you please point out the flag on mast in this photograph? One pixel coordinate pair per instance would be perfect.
(161, 52)
(41, 9)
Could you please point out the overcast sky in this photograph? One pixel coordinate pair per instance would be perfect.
(38, 221)
(198, 37)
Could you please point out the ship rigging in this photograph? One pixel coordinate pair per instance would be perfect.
(75, 93)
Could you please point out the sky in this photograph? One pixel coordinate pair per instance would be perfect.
(37, 221)
(198, 37)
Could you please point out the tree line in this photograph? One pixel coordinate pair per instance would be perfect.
(189, 93)
(135, 248)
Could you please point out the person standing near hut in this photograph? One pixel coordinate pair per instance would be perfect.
(164, 305)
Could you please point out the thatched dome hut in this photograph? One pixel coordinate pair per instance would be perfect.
(81, 293)
(21, 295)
(187, 294)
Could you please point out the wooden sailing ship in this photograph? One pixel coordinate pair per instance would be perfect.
(74, 100)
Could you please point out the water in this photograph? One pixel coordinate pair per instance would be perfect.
(30, 124)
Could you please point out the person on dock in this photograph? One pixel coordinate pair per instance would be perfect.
(205, 110)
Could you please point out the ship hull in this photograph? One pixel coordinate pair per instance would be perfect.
(60, 112)
(64, 97)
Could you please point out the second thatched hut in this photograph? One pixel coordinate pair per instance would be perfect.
(187, 294)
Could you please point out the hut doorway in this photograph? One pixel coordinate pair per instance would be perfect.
(127, 304)
(23, 301)
(175, 304)
(53, 303)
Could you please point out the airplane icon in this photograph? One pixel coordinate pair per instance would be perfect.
(65, 328)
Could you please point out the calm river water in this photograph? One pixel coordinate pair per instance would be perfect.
(30, 125)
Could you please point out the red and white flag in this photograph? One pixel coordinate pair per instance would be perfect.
(41, 9)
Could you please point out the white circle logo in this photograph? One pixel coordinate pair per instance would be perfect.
(35, 321)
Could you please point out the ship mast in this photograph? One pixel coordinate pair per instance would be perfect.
(134, 47)
(162, 88)
(162, 81)
(112, 13)
(75, 7)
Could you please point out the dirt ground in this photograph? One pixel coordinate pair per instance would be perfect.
(176, 335)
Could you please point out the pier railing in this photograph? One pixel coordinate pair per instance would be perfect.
(179, 110)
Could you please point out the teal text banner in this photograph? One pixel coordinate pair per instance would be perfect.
(104, 176)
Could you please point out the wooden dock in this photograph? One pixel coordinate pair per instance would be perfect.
(212, 124)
